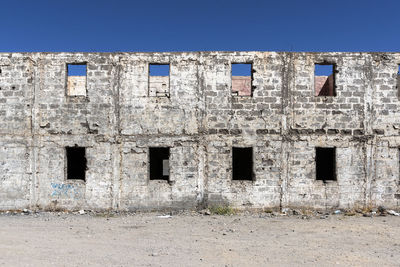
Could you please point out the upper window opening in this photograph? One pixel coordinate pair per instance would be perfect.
(76, 163)
(325, 160)
(324, 80)
(242, 79)
(159, 79)
(76, 82)
(242, 163)
(159, 163)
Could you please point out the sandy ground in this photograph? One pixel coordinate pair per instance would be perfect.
(191, 239)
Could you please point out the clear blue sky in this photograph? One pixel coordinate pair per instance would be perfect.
(173, 25)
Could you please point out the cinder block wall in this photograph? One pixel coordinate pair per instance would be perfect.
(283, 121)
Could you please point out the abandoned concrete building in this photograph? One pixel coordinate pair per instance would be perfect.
(127, 131)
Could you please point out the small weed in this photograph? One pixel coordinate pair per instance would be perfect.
(350, 213)
(222, 210)
(268, 210)
(366, 209)
(307, 212)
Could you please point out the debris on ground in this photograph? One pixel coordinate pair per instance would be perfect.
(392, 212)
(164, 216)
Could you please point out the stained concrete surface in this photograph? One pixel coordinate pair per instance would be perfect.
(117, 116)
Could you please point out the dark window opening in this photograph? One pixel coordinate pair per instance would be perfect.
(242, 163)
(76, 163)
(242, 79)
(159, 163)
(325, 159)
(324, 80)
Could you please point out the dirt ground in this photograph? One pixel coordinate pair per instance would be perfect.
(192, 239)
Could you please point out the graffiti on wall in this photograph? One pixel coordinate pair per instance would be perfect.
(65, 190)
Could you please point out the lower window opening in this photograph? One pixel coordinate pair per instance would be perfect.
(76, 163)
(325, 159)
(159, 163)
(242, 163)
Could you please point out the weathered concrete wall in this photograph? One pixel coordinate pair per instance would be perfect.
(118, 119)
(16, 101)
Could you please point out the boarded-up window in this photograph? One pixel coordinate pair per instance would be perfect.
(242, 79)
(76, 79)
(324, 80)
(159, 79)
